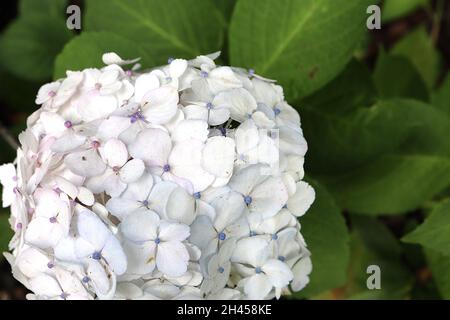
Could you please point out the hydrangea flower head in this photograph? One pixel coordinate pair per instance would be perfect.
(182, 182)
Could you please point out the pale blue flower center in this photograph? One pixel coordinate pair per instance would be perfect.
(204, 74)
(86, 279)
(222, 236)
(252, 233)
(281, 258)
(97, 255)
(197, 195)
(258, 270)
(209, 106)
(68, 124)
(221, 270)
(248, 200)
(50, 265)
(276, 110)
(53, 220)
(274, 236)
(166, 168)
(157, 240)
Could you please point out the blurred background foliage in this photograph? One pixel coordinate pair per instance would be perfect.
(375, 108)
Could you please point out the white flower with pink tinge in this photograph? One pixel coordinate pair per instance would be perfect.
(184, 181)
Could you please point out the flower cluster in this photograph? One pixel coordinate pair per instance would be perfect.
(181, 182)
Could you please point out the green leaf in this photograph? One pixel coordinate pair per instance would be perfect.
(169, 28)
(441, 98)
(339, 143)
(302, 44)
(386, 159)
(17, 93)
(350, 90)
(5, 232)
(418, 47)
(394, 9)
(440, 266)
(49, 8)
(327, 238)
(373, 244)
(392, 184)
(86, 50)
(226, 7)
(30, 44)
(434, 233)
(396, 77)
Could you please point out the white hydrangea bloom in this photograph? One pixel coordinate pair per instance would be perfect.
(183, 182)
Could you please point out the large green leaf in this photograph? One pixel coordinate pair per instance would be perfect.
(386, 159)
(392, 184)
(396, 77)
(434, 233)
(419, 48)
(350, 90)
(394, 9)
(440, 266)
(169, 28)
(327, 237)
(338, 143)
(441, 98)
(30, 44)
(49, 8)
(226, 7)
(5, 232)
(373, 244)
(86, 50)
(302, 44)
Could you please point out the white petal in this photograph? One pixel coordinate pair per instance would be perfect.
(303, 198)
(170, 231)
(269, 197)
(239, 101)
(114, 186)
(132, 170)
(172, 258)
(140, 226)
(121, 207)
(257, 287)
(177, 68)
(85, 163)
(152, 146)
(181, 206)
(202, 231)
(253, 251)
(195, 112)
(278, 272)
(219, 156)
(112, 127)
(85, 196)
(160, 105)
(43, 234)
(141, 257)
(92, 229)
(144, 84)
(190, 129)
(114, 152)
(114, 255)
(45, 285)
